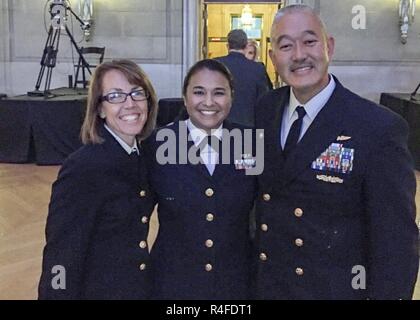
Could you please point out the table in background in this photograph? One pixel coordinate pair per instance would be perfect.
(46, 129)
(410, 111)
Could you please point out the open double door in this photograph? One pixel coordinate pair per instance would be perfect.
(219, 17)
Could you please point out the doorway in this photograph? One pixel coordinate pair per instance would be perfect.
(219, 17)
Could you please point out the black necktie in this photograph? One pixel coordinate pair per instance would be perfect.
(294, 133)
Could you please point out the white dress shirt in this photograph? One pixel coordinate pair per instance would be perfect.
(208, 155)
(312, 108)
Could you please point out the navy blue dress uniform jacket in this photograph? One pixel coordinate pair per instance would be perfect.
(323, 225)
(249, 84)
(98, 217)
(202, 250)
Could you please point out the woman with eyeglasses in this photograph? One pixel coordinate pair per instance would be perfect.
(100, 205)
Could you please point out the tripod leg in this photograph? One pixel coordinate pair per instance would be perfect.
(84, 62)
(44, 54)
(414, 93)
(51, 60)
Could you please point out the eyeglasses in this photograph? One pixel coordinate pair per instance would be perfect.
(120, 97)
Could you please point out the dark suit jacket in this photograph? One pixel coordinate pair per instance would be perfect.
(94, 225)
(249, 83)
(180, 254)
(267, 77)
(321, 223)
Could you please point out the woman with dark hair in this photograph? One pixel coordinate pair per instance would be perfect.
(100, 205)
(202, 249)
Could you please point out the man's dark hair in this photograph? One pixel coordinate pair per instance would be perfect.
(237, 39)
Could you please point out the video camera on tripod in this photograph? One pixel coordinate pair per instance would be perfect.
(59, 12)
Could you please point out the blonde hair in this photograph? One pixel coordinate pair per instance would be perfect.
(254, 43)
(136, 76)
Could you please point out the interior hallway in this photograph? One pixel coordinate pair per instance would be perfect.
(24, 196)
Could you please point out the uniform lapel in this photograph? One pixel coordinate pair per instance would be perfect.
(126, 166)
(273, 158)
(323, 131)
(222, 170)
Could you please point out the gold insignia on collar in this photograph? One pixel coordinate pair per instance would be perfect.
(343, 138)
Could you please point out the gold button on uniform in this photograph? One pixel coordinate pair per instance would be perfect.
(143, 244)
(142, 266)
(142, 193)
(264, 227)
(298, 212)
(209, 217)
(209, 192)
(209, 267)
(299, 271)
(266, 197)
(209, 243)
(144, 219)
(299, 242)
(263, 256)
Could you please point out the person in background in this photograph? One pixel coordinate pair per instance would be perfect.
(249, 80)
(202, 250)
(335, 210)
(251, 50)
(101, 203)
(252, 53)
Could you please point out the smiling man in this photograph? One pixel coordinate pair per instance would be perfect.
(335, 210)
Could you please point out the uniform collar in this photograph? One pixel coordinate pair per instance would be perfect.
(197, 135)
(122, 143)
(313, 106)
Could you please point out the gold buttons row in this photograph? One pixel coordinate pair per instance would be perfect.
(209, 243)
(299, 271)
(209, 192)
(299, 242)
(266, 197)
(298, 212)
